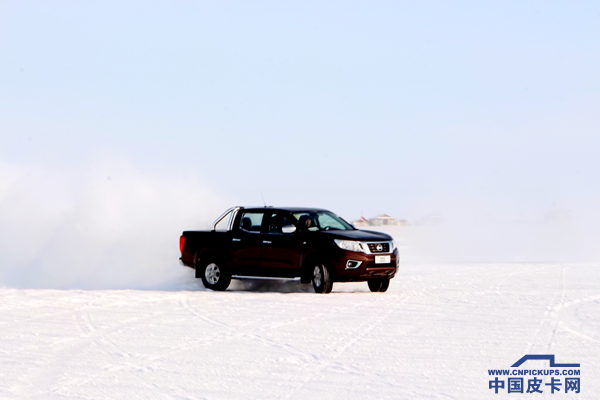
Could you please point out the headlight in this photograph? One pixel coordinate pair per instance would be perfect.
(350, 245)
(393, 244)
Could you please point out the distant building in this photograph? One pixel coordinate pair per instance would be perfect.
(361, 223)
(382, 219)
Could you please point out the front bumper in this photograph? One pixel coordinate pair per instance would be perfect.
(368, 269)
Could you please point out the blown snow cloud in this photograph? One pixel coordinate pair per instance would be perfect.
(107, 225)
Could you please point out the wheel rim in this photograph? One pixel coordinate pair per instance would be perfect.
(317, 276)
(212, 273)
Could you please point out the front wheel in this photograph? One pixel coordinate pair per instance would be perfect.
(215, 275)
(379, 285)
(321, 280)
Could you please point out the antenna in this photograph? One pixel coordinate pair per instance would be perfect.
(263, 198)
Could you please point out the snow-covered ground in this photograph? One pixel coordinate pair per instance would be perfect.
(433, 335)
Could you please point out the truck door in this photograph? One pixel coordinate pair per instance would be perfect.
(280, 252)
(246, 243)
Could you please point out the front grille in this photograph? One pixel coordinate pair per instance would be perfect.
(373, 247)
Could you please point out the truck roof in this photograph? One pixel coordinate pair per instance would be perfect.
(289, 209)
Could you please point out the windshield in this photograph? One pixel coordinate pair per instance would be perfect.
(322, 221)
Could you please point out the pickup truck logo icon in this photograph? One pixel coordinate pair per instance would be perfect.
(549, 357)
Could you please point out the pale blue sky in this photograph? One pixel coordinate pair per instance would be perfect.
(399, 107)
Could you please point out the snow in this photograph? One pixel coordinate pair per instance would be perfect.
(433, 335)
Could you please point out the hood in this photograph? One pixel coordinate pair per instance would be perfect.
(359, 235)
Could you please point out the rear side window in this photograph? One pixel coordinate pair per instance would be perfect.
(251, 221)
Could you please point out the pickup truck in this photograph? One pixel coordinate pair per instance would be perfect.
(312, 244)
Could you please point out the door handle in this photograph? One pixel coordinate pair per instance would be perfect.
(266, 242)
(236, 240)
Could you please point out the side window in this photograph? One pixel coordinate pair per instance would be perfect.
(278, 221)
(251, 221)
(326, 222)
(307, 219)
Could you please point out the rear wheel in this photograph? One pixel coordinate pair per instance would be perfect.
(379, 285)
(215, 275)
(321, 279)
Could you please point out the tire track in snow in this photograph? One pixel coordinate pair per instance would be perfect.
(216, 337)
(554, 310)
(548, 314)
(182, 300)
(496, 288)
(184, 303)
(564, 306)
(348, 341)
(46, 373)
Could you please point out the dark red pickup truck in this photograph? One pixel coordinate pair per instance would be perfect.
(289, 242)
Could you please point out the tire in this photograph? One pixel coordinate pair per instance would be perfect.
(379, 285)
(385, 284)
(215, 275)
(321, 278)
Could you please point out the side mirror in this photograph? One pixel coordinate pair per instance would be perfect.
(288, 229)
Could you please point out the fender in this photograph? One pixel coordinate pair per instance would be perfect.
(205, 254)
(315, 254)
